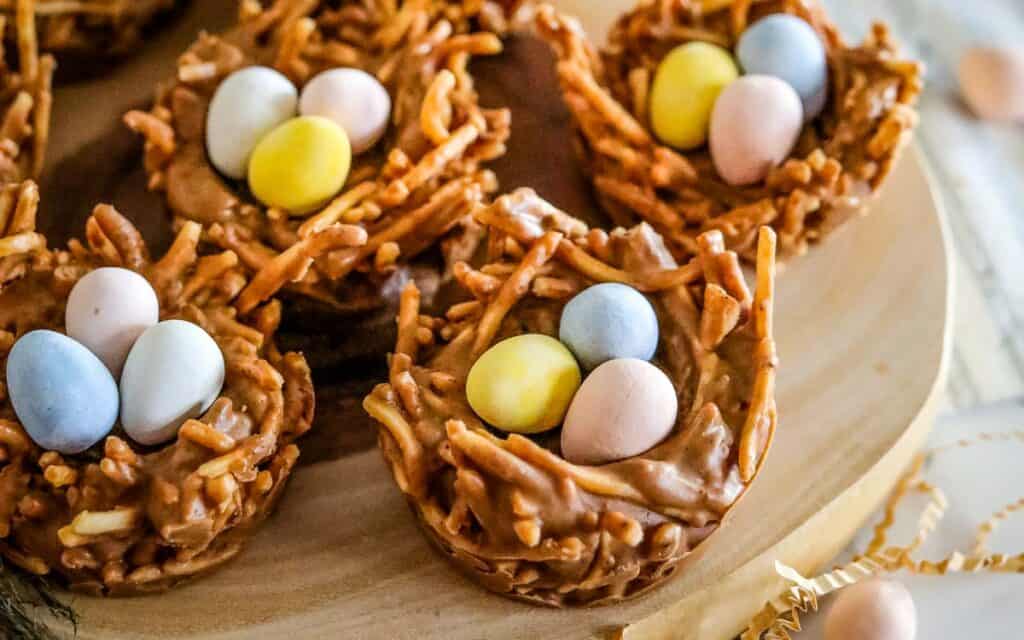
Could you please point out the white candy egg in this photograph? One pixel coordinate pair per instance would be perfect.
(247, 105)
(107, 310)
(174, 372)
(354, 100)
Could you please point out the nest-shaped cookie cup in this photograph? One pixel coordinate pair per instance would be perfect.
(508, 509)
(415, 188)
(121, 518)
(841, 158)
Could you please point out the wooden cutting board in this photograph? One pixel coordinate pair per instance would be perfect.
(863, 326)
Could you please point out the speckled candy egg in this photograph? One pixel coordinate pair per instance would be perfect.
(872, 610)
(623, 408)
(63, 395)
(608, 321)
(992, 82)
(686, 84)
(354, 100)
(300, 165)
(174, 372)
(523, 384)
(107, 310)
(787, 47)
(755, 124)
(247, 105)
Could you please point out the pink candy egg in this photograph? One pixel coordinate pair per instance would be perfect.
(873, 610)
(992, 82)
(624, 407)
(754, 126)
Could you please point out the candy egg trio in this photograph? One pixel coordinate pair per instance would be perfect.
(532, 383)
(63, 388)
(751, 122)
(294, 150)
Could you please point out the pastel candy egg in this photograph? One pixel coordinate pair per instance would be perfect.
(300, 165)
(247, 105)
(623, 408)
(354, 100)
(174, 372)
(992, 82)
(756, 123)
(63, 395)
(608, 321)
(523, 384)
(787, 47)
(686, 84)
(872, 610)
(107, 310)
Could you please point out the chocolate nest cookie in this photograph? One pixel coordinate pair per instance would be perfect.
(25, 100)
(510, 510)
(121, 518)
(92, 27)
(840, 158)
(414, 189)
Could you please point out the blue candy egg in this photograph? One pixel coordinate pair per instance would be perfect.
(609, 321)
(787, 47)
(63, 395)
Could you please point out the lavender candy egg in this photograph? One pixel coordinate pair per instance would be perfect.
(873, 610)
(63, 395)
(788, 48)
(608, 321)
(355, 100)
(754, 127)
(622, 409)
(107, 310)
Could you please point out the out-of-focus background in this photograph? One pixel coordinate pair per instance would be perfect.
(978, 168)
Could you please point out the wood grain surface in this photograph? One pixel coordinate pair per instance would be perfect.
(863, 329)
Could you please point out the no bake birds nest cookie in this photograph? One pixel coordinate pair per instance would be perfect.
(511, 511)
(120, 518)
(415, 187)
(841, 156)
(92, 27)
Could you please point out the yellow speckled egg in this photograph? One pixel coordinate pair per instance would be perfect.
(523, 384)
(685, 88)
(301, 164)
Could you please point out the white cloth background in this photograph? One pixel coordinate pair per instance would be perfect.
(977, 481)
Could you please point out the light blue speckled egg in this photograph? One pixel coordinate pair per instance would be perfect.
(63, 395)
(608, 321)
(787, 47)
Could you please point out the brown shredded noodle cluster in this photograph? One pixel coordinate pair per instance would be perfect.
(416, 187)
(95, 27)
(25, 99)
(119, 518)
(841, 158)
(510, 510)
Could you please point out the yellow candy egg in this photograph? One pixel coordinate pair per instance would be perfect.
(300, 165)
(523, 384)
(685, 88)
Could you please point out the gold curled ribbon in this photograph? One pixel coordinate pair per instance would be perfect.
(781, 617)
